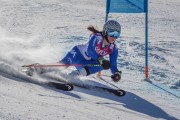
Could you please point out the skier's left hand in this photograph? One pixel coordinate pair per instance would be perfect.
(104, 63)
(117, 76)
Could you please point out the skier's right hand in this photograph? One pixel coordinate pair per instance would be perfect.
(104, 63)
(116, 76)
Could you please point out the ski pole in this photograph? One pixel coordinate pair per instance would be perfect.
(59, 65)
(105, 75)
(99, 75)
(109, 83)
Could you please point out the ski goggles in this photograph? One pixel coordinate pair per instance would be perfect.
(114, 34)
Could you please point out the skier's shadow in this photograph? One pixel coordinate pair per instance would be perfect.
(130, 101)
(138, 104)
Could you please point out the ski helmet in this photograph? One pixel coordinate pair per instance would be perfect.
(111, 25)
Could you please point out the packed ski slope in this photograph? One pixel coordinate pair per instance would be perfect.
(43, 31)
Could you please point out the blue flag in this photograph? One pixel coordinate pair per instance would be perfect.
(126, 6)
(131, 6)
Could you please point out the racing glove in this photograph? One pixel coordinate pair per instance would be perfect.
(116, 76)
(104, 63)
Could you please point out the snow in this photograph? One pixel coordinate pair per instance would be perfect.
(42, 31)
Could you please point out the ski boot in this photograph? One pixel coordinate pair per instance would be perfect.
(77, 73)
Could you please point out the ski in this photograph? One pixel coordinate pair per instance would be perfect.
(61, 86)
(117, 92)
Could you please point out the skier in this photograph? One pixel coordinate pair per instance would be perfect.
(100, 44)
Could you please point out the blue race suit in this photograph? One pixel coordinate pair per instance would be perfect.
(89, 53)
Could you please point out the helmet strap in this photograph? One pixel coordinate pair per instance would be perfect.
(106, 37)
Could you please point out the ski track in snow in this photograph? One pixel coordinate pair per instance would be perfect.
(42, 31)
